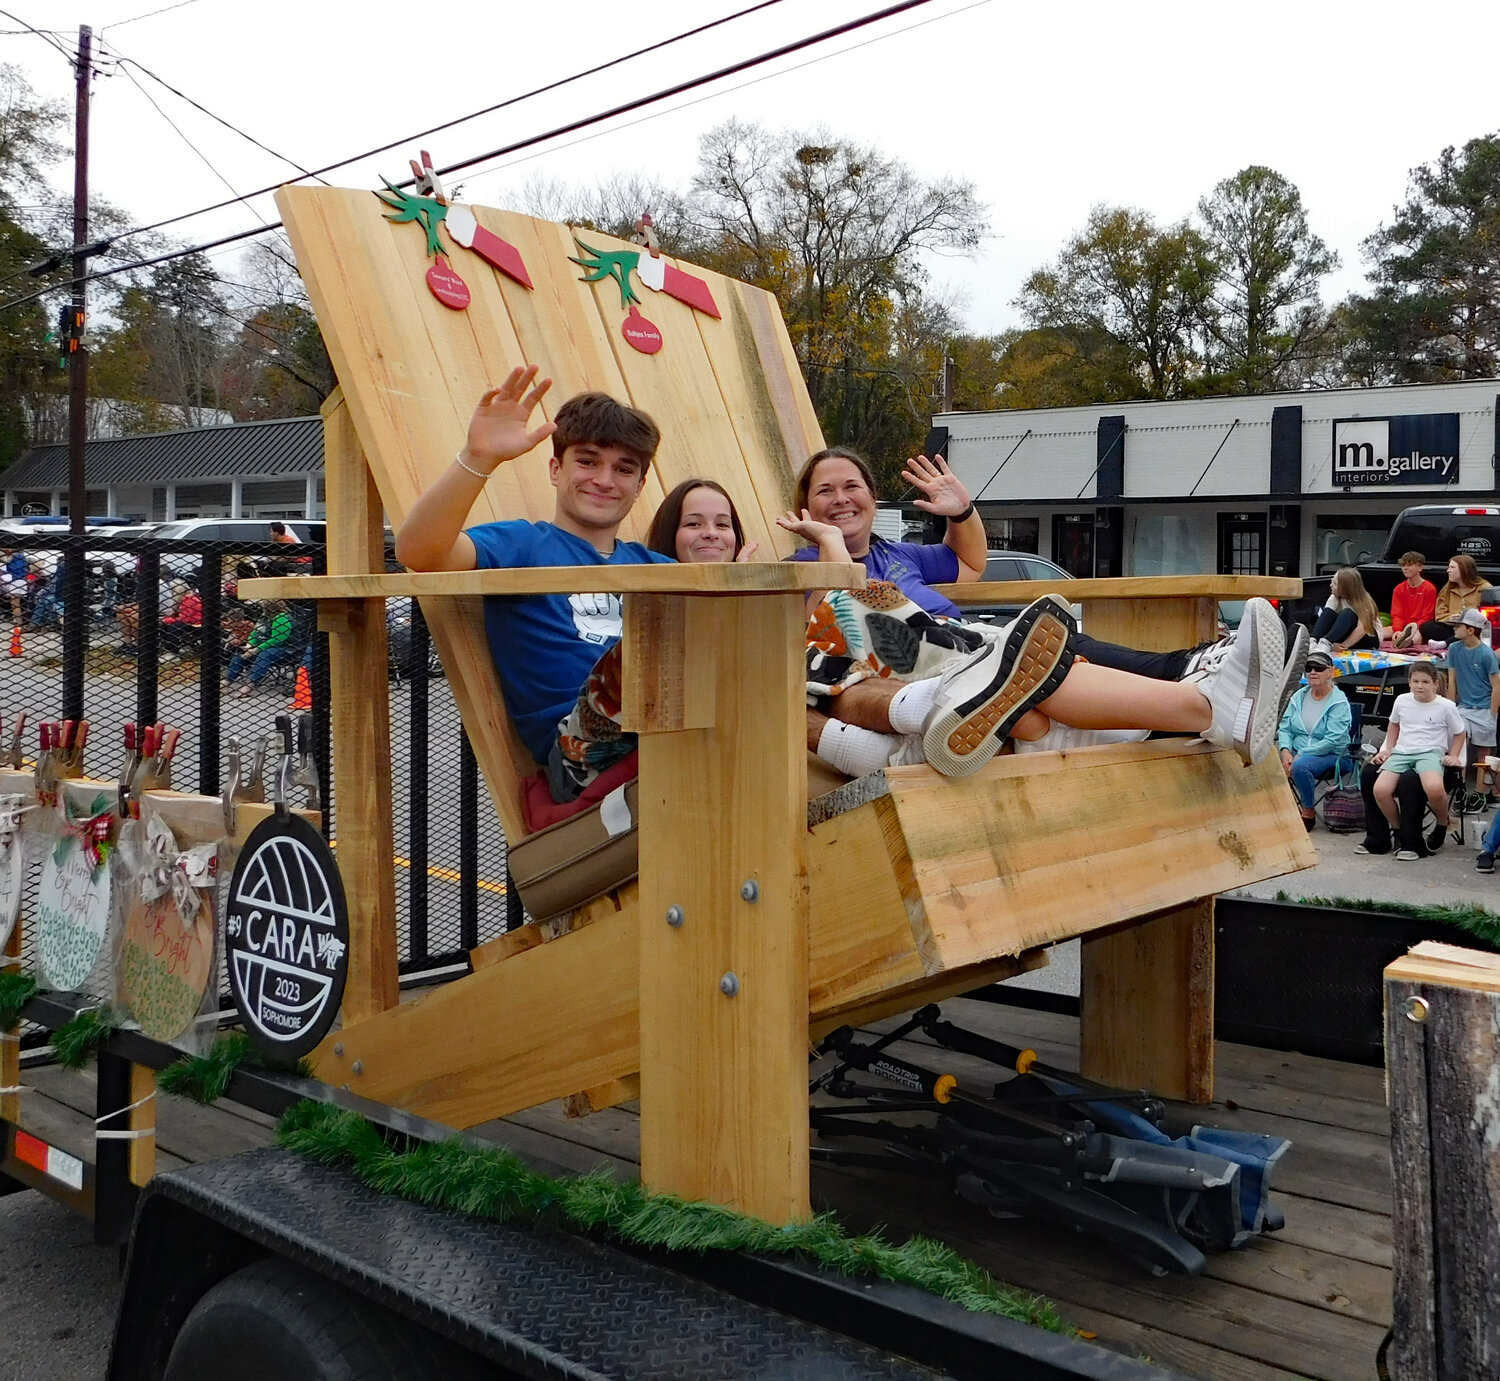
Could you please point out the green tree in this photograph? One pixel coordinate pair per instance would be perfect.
(837, 231)
(1122, 299)
(163, 361)
(1435, 311)
(1065, 367)
(1263, 316)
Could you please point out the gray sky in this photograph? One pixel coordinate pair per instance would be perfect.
(1047, 109)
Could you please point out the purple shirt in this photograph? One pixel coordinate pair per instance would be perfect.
(911, 568)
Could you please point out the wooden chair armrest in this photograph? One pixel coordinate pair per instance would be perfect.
(745, 578)
(1130, 587)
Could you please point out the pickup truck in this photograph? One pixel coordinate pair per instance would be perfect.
(1439, 532)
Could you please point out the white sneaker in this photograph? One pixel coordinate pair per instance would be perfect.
(1207, 658)
(1064, 738)
(979, 699)
(1243, 689)
(1320, 645)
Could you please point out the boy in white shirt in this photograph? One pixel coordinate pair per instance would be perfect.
(1426, 735)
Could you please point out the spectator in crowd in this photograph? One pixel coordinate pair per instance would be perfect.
(169, 596)
(15, 572)
(1314, 733)
(1474, 681)
(180, 630)
(283, 536)
(1413, 601)
(1426, 735)
(1349, 619)
(1464, 590)
(269, 644)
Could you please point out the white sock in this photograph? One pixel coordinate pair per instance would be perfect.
(912, 704)
(853, 750)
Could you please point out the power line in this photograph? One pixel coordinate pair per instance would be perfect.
(291, 162)
(729, 90)
(462, 119)
(679, 88)
(150, 14)
(40, 33)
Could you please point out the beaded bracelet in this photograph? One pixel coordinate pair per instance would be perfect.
(458, 460)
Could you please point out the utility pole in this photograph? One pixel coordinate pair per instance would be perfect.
(949, 371)
(75, 600)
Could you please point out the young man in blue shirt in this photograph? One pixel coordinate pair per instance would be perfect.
(544, 646)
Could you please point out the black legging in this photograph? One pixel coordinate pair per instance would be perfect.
(1411, 803)
(1443, 632)
(1337, 624)
(1159, 666)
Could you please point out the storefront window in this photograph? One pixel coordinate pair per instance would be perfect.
(1349, 539)
(1171, 544)
(1013, 534)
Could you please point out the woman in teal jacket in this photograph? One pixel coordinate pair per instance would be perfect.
(1314, 732)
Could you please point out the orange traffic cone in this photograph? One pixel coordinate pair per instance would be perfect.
(16, 649)
(302, 692)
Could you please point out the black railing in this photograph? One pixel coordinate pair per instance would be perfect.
(130, 658)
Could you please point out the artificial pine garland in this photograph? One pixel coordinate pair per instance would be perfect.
(76, 1041)
(16, 990)
(1482, 923)
(491, 1182)
(204, 1078)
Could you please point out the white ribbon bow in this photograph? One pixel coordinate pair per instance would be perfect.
(185, 874)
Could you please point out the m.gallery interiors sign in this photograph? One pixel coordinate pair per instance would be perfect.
(1396, 450)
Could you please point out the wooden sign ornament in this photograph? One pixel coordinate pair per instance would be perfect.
(168, 953)
(429, 207)
(73, 897)
(12, 862)
(655, 272)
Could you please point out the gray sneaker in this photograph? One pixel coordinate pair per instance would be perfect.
(1242, 689)
(980, 699)
(1291, 674)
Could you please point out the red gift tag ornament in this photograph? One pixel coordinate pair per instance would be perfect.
(640, 334)
(447, 286)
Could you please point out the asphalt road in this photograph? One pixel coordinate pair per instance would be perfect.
(58, 1293)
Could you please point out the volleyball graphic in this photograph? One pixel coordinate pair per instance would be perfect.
(286, 937)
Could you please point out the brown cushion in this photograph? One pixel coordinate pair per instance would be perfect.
(574, 861)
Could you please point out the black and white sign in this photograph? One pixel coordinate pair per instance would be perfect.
(286, 936)
(1396, 450)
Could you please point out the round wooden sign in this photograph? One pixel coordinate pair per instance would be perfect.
(167, 959)
(447, 286)
(72, 909)
(12, 882)
(286, 936)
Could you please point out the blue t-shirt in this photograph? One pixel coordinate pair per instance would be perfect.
(913, 569)
(1472, 669)
(544, 646)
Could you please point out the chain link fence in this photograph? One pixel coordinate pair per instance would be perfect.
(140, 630)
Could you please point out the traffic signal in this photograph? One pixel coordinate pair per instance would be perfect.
(69, 333)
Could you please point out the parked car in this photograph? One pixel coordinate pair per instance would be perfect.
(1013, 565)
(253, 532)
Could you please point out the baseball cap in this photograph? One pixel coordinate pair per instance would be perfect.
(1474, 619)
(1318, 661)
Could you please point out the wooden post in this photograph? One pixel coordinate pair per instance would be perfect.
(359, 672)
(142, 1150)
(1147, 990)
(1442, 1047)
(715, 688)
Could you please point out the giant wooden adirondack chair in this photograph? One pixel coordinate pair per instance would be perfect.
(754, 923)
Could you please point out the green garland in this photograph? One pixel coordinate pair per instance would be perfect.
(1479, 921)
(76, 1041)
(204, 1078)
(16, 990)
(491, 1182)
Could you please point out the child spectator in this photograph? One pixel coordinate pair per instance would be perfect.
(268, 644)
(1413, 601)
(1464, 590)
(1474, 681)
(1349, 619)
(1426, 735)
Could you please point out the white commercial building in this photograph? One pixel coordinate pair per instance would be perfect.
(1278, 484)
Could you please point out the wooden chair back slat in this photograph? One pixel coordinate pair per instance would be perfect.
(726, 392)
